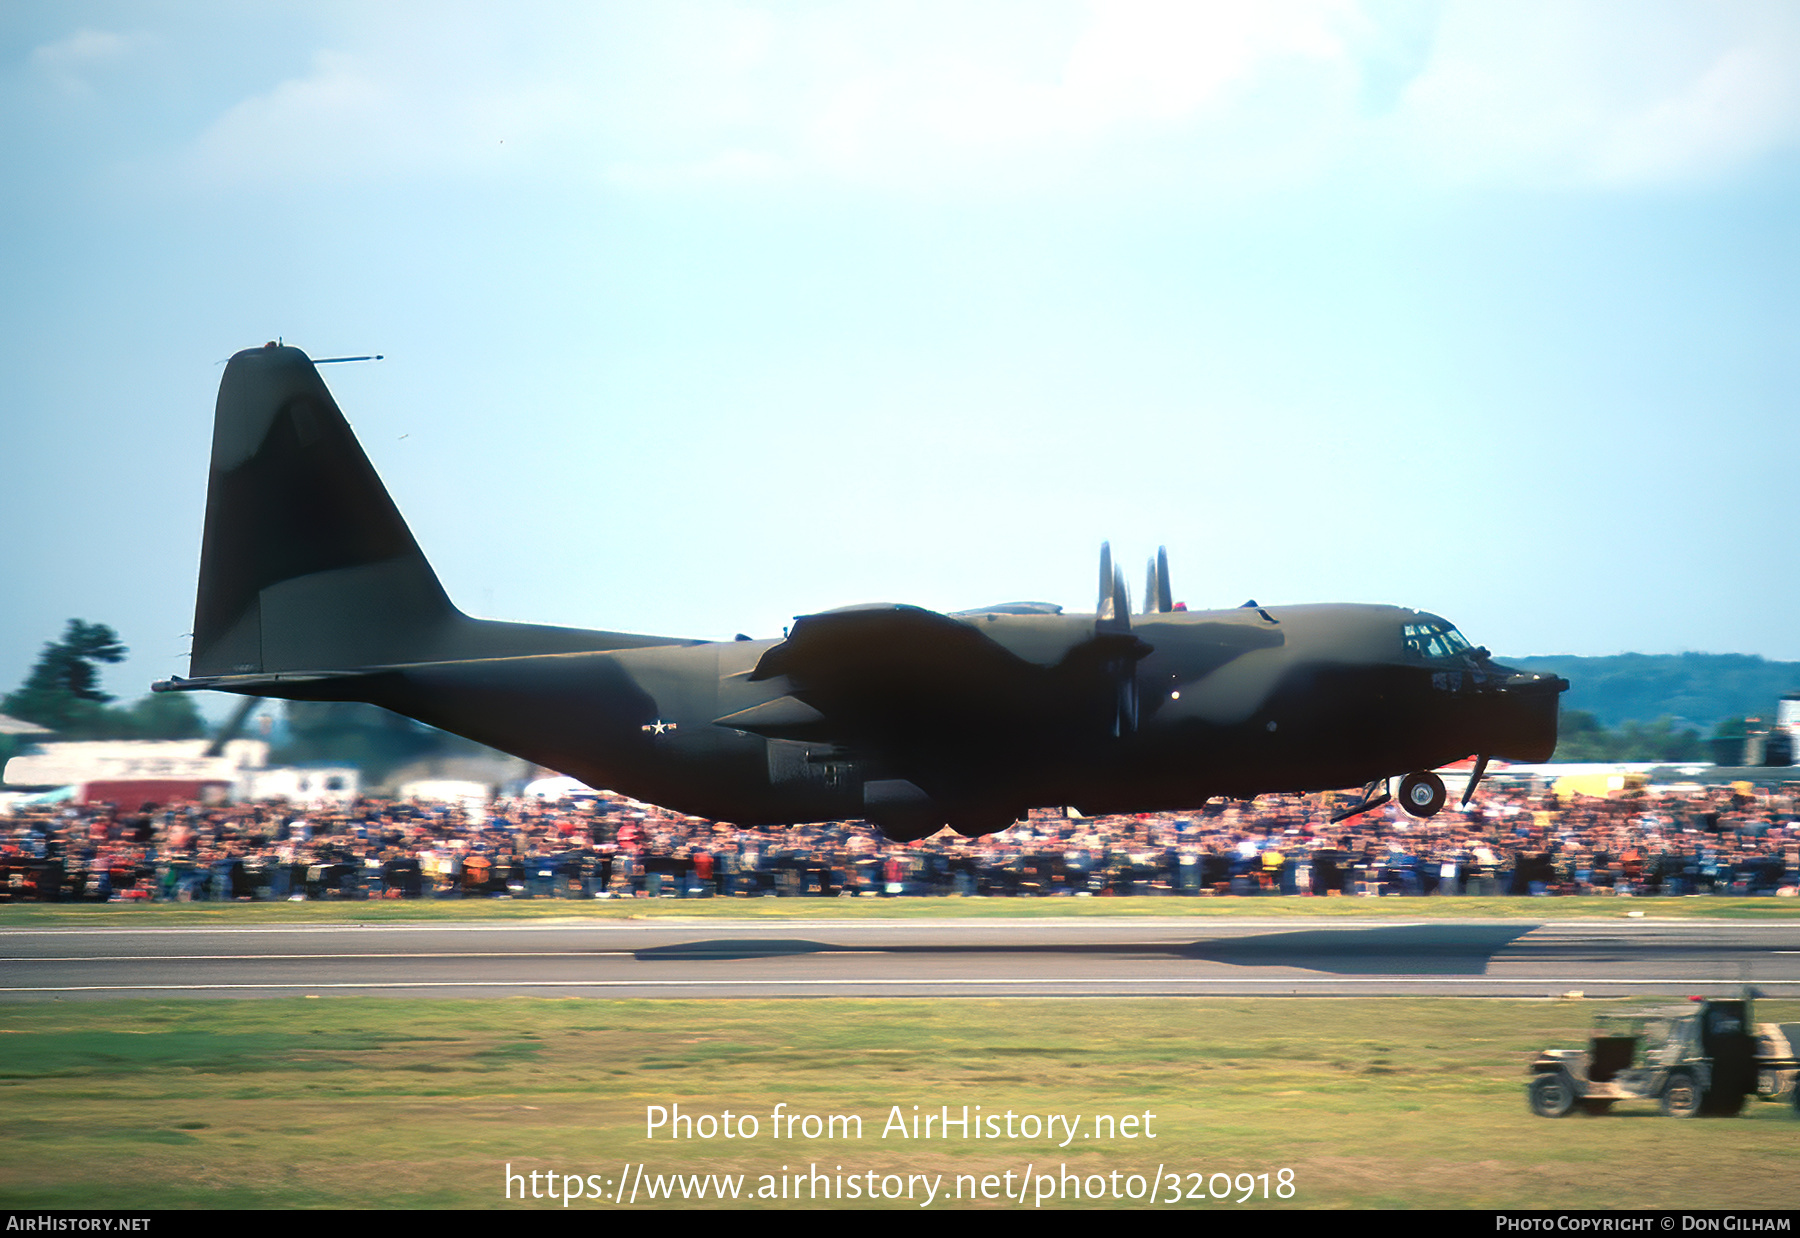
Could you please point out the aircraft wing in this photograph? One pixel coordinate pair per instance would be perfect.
(902, 678)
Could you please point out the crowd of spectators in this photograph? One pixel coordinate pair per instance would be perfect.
(1508, 841)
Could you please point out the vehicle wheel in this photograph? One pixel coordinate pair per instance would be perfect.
(1550, 1095)
(1422, 793)
(1715, 1105)
(1682, 1097)
(1596, 1107)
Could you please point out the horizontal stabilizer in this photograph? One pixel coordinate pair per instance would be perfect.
(253, 685)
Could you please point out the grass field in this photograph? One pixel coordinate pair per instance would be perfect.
(50, 915)
(373, 1103)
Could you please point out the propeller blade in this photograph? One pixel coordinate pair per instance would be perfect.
(233, 725)
(1104, 609)
(1115, 618)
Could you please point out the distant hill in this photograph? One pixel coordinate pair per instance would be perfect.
(1700, 688)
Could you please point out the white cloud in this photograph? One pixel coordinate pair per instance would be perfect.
(377, 113)
(1746, 102)
(70, 63)
(1604, 93)
(981, 98)
(1167, 60)
(1018, 89)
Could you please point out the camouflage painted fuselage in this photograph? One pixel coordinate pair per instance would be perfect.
(312, 588)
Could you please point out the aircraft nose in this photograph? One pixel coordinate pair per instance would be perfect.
(1530, 683)
(1524, 719)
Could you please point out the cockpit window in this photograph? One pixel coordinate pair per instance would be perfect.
(1434, 639)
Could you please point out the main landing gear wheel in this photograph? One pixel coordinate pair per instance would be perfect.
(1422, 793)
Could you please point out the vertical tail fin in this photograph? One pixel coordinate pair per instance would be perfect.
(306, 563)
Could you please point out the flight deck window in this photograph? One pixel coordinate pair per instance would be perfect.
(1434, 640)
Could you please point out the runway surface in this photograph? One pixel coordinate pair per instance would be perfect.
(971, 958)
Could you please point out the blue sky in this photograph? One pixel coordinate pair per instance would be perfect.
(701, 316)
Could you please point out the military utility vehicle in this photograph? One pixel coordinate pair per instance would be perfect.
(1706, 1057)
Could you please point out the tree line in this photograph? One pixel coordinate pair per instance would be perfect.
(1581, 737)
(63, 693)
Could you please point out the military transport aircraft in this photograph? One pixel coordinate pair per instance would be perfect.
(312, 588)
